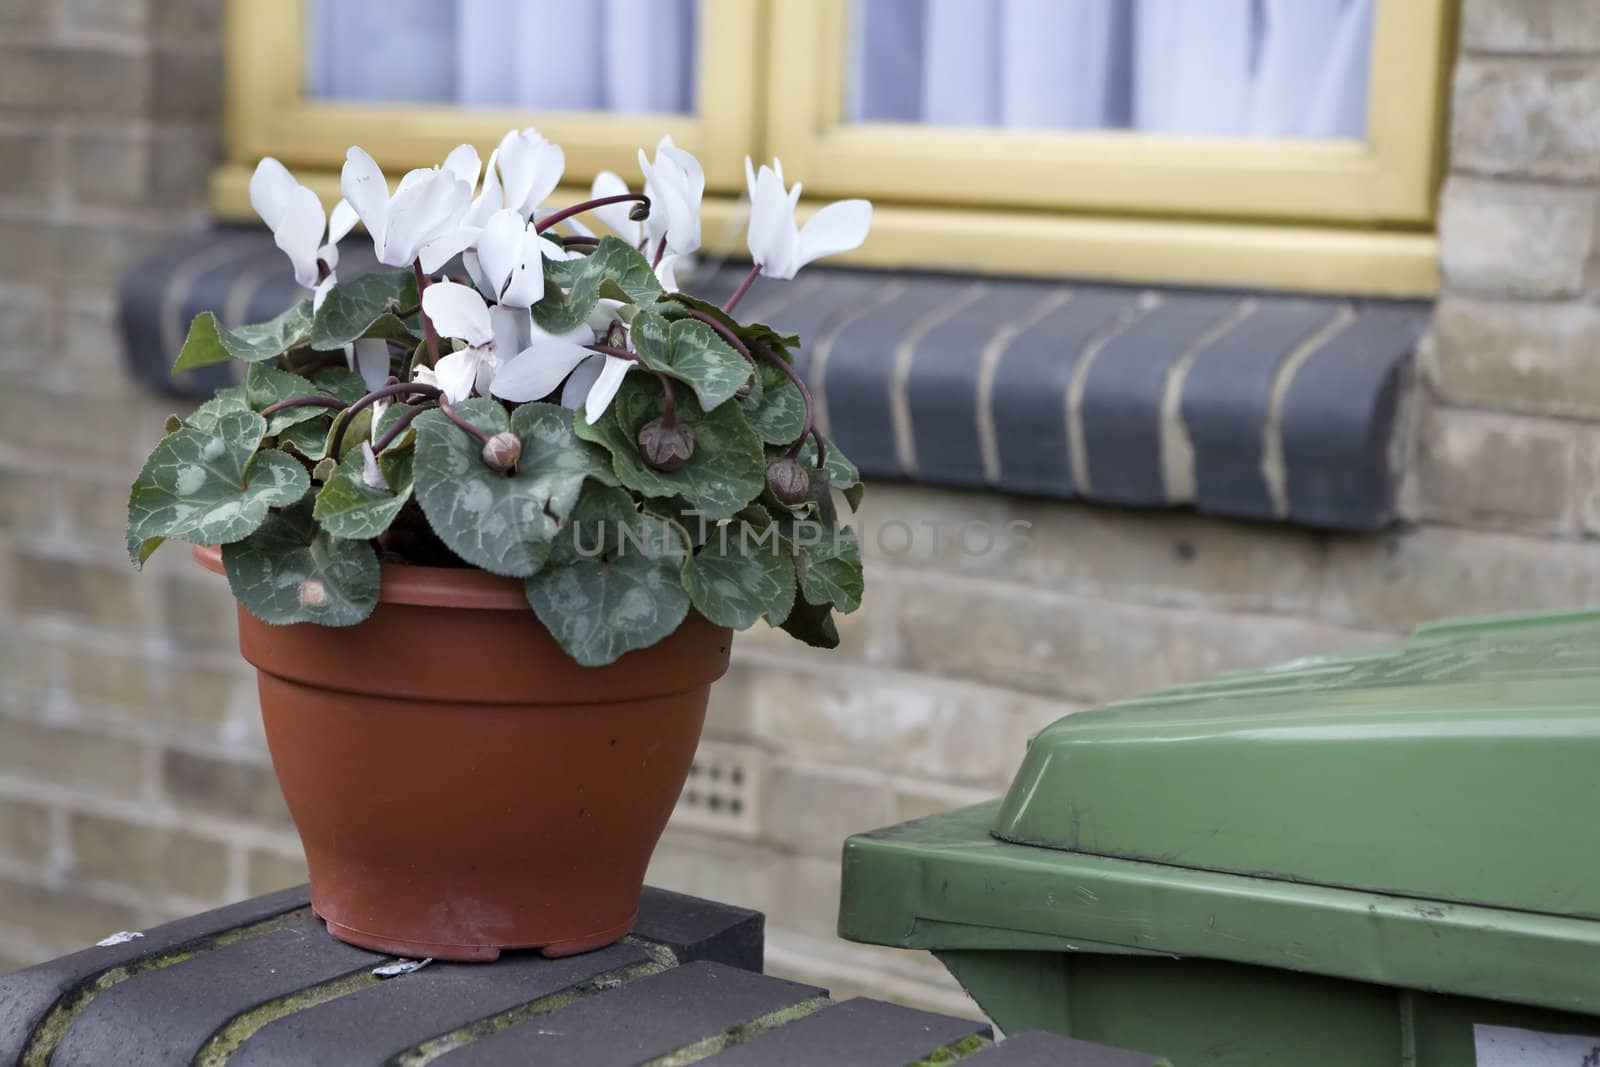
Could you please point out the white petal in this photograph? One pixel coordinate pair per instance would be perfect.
(580, 381)
(499, 246)
(299, 229)
(364, 189)
(615, 216)
(320, 293)
(667, 272)
(537, 370)
(838, 227)
(436, 253)
(341, 221)
(457, 311)
(463, 163)
(371, 475)
(422, 212)
(525, 287)
(270, 187)
(372, 361)
(549, 161)
(576, 227)
(512, 328)
(457, 373)
(424, 374)
(605, 387)
(469, 259)
(328, 256)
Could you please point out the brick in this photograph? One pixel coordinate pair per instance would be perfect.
(1526, 118)
(1512, 239)
(1164, 558)
(118, 434)
(199, 612)
(1565, 26)
(90, 591)
(268, 871)
(1089, 651)
(1589, 468)
(889, 721)
(813, 809)
(24, 830)
(186, 18)
(1487, 470)
(180, 166)
(231, 788)
(26, 159)
(1533, 357)
(67, 756)
(810, 901)
(186, 82)
(103, 16)
(25, 15)
(1412, 575)
(717, 869)
(918, 800)
(207, 696)
(27, 503)
(29, 313)
(109, 167)
(60, 80)
(60, 917)
(147, 857)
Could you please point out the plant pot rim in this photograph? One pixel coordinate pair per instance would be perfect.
(428, 587)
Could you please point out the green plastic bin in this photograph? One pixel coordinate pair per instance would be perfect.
(1387, 857)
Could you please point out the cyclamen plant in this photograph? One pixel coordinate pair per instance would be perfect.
(559, 413)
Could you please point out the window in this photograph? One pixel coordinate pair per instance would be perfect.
(1277, 143)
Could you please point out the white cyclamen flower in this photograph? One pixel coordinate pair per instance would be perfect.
(508, 263)
(425, 219)
(299, 227)
(615, 216)
(675, 184)
(524, 169)
(777, 245)
(504, 349)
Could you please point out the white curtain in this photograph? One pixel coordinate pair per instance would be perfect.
(1265, 68)
(634, 56)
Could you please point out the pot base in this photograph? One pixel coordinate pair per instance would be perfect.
(419, 950)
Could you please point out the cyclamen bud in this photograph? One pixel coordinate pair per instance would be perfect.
(788, 480)
(666, 448)
(639, 211)
(502, 451)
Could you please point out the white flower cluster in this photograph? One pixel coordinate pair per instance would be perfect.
(436, 213)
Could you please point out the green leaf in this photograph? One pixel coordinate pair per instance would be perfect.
(340, 383)
(291, 571)
(210, 342)
(210, 486)
(205, 416)
(828, 563)
(308, 439)
(813, 624)
(675, 305)
(726, 471)
(612, 583)
(842, 474)
(742, 573)
(367, 306)
(350, 508)
(265, 386)
(775, 408)
(690, 352)
(503, 523)
(614, 270)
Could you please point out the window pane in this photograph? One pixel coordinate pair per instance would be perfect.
(1261, 68)
(633, 56)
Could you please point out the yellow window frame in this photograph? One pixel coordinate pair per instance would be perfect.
(1345, 217)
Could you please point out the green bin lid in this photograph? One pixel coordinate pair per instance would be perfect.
(1462, 766)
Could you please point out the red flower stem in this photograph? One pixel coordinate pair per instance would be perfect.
(577, 239)
(399, 388)
(744, 287)
(427, 323)
(661, 250)
(808, 426)
(450, 413)
(588, 205)
(722, 328)
(302, 402)
(398, 428)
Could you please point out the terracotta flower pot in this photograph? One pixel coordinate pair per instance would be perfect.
(461, 785)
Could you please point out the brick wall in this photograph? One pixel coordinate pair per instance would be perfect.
(133, 777)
